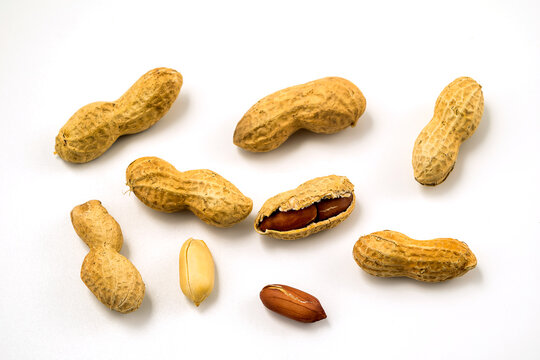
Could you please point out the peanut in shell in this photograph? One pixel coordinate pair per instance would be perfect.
(208, 195)
(457, 113)
(111, 277)
(323, 106)
(95, 127)
(310, 193)
(392, 254)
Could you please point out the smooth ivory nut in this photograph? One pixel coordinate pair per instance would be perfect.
(196, 270)
(292, 303)
(96, 126)
(458, 112)
(110, 276)
(322, 106)
(211, 197)
(318, 204)
(393, 254)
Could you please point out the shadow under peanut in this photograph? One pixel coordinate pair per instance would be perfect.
(471, 278)
(139, 317)
(274, 317)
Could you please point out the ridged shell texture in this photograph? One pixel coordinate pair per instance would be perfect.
(111, 277)
(96, 126)
(458, 112)
(208, 195)
(325, 106)
(393, 254)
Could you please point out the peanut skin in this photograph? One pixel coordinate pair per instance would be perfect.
(392, 254)
(292, 303)
(297, 219)
(205, 193)
(290, 220)
(110, 276)
(331, 207)
(458, 112)
(96, 126)
(323, 106)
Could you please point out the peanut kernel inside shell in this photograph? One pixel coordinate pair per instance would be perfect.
(298, 219)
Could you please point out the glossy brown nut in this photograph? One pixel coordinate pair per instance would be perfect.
(289, 220)
(332, 207)
(292, 303)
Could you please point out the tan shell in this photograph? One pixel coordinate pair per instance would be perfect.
(324, 106)
(310, 192)
(393, 254)
(458, 112)
(111, 277)
(208, 195)
(96, 126)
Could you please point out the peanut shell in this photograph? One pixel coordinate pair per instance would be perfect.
(324, 106)
(392, 254)
(458, 112)
(96, 126)
(111, 277)
(208, 195)
(305, 195)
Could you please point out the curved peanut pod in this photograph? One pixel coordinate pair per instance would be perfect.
(196, 270)
(312, 192)
(208, 195)
(111, 277)
(392, 254)
(96, 126)
(324, 106)
(458, 112)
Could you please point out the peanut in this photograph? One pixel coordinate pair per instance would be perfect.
(292, 303)
(289, 220)
(324, 106)
(196, 270)
(96, 126)
(110, 276)
(458, 112)
(318, 204)
(205, 193)
(392, 254)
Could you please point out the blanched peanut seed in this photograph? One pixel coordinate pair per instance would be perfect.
(331, 207)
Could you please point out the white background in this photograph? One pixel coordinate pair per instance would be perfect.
(57, 56)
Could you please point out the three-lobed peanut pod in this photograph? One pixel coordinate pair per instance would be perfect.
(392, 254)
(324, 106)
(111, 277)
(208, 195)
(318, 204)
(96, 126)
(458, 112)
